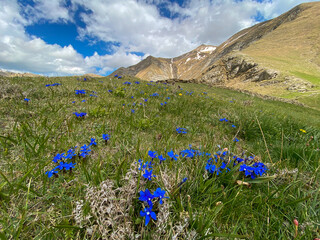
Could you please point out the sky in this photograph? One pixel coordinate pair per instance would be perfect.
(75, 37)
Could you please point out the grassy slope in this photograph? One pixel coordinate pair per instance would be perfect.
(33, 206)
(293, 48)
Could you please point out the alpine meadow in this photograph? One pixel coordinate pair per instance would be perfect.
(221, 142)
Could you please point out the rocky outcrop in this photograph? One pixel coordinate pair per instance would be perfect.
(297, 84)
(236, 67)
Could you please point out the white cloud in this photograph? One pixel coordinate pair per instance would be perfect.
(136, 24)
(51, 10)
(21, 52)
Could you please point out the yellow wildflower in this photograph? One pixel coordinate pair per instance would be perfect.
(180, 94)
(302, 130)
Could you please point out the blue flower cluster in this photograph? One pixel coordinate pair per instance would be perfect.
(149, 198)
(127, 83)
(26, 100)
(52, 85)
(146, 196)
(253, 171)
(223, 120)
(163, 104)
(62, 158)
(226, 120)
(80, 92)
(154, 95)
(224, 160)
(80, 115)
(181, 130)
(147, 168)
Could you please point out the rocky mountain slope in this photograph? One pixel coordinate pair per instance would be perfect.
(186, 66)
(275, 57)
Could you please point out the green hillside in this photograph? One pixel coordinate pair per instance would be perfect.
(100, 197)
(294, 49)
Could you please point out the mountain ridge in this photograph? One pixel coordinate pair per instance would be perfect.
(245, 60)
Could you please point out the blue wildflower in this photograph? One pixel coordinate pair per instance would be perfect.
(93, 142)
(105, 137)
(84, 151)
(161, 158)
(152, 154)
(26, 100)
(69, 166)
(187, 153)
(236, 140)
(223, 120)
(181, 130)
(160, 194)
(148, 174)
(148, 214)
(80, 115)
(172, 155)
(58, 157)
(133, 111)
(80, 92)
(51, 173)
(70, 154)
(146, 196)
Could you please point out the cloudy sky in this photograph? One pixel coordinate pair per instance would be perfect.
(73, 37)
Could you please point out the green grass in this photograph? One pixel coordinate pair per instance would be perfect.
(311, 78)
(32, 206)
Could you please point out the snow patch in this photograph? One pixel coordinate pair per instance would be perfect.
(208, 49)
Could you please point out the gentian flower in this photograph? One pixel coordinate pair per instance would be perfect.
(58, 157)
(146, 196)
(148, 174)
(148, 214)
(161, 158)
(160, 194)
(181, 130)
(93, 142)
(69, 166)
(84, 151)
(172, 155)
(105, 137)
(70, 154)
(26, 100)
(152, 154)
(51, 173)
(80, 92)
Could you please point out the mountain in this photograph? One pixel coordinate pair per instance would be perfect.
(279, 57)
(13, 74)
(186, 66)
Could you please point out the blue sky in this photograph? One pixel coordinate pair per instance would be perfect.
(74, 37)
